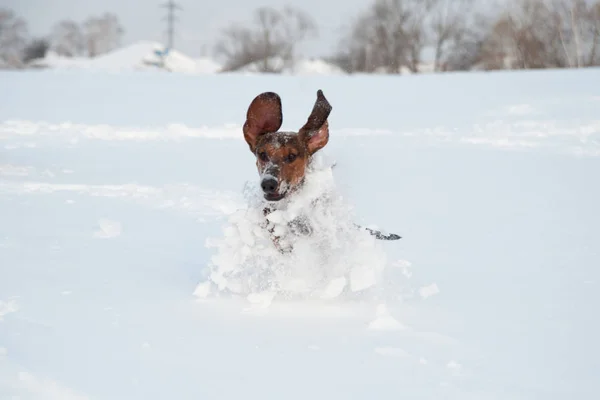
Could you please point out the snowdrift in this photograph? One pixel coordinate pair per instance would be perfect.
(146, 55)
(336, 258)
(142, 55)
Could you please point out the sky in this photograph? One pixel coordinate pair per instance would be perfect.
(199, 22)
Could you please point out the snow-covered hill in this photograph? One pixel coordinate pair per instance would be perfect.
(112, 187)
(143, 55)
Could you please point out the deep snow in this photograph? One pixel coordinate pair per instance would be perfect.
(111, 184)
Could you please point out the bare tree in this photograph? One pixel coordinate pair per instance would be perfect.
(35, 49)
(578, 24)
(465, 53)
(102, 34)
(457, 31)
(389, 36)
(68, 39)
(13, 37)
(520, 37)
(393, 34)
(355, 49)
(545, 34)
(594, 31)
(270, 42)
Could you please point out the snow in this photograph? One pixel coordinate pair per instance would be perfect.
(135, 57)
(7, 307)
(300, 67)
(429, 290)
(142, 56)
(314, 67)
(247, 263)
(118, 190)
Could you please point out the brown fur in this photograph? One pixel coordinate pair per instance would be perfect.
(273, 148)
(278, 149)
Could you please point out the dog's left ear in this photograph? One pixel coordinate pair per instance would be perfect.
(316, 129)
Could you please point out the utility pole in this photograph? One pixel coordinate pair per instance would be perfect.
(171, 7)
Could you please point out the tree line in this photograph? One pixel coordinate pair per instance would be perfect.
(90, 38)
(388, 36)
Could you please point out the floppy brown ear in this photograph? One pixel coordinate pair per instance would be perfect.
(264, 116)
(316, 129)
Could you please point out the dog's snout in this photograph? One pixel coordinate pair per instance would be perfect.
(269, 185)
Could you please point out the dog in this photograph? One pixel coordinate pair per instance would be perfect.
(282, 157)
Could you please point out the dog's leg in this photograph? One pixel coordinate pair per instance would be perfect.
(274, 239)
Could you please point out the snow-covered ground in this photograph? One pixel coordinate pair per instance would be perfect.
(112, 184)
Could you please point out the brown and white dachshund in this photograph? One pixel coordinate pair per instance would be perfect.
(282, 157)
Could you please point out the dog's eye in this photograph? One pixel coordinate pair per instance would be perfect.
(291, 157)
(263, 156)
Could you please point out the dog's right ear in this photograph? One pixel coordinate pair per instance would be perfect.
(264, 116)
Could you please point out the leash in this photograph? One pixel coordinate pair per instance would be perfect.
(380, 235)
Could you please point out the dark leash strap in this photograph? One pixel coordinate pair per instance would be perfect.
(380, 235)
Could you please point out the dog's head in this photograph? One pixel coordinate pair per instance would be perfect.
(282, 157)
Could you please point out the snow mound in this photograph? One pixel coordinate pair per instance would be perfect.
(324, 253)
(148, 55)
(300, 67)
(315, 67)
(143, 55)
(207, 65)
(275, 63)
(54, 60)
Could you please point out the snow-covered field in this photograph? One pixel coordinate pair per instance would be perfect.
(112, 184)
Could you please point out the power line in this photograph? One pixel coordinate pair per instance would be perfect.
(171, 7)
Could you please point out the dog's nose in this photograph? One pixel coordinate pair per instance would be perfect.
(269, 185)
